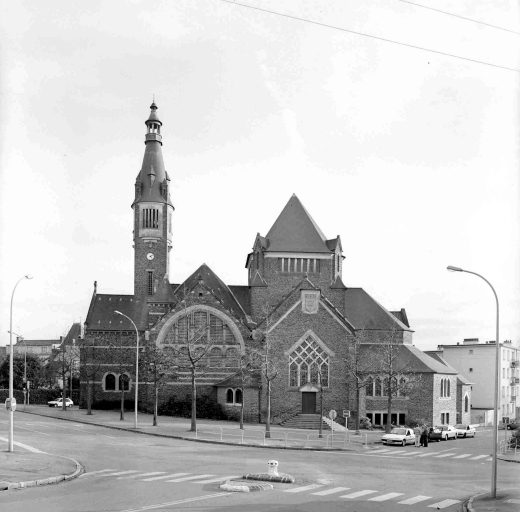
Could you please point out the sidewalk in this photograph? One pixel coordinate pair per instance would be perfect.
(507, 500)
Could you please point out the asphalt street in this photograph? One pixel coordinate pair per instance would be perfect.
(127, 472)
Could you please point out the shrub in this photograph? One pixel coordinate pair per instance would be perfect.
(115, 405)
(365, 423)
(206, 408)
(416, 422)
(514, 442)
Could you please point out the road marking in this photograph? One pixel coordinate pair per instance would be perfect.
(379, 451)
(90, 473)
(21, 445)
(331, 491)
(414, 500)
(121, 473)
(188, 478)
(399, 451)
(445, 455)
(161, 477)
(306, 488)
(385, 497)
(479, 457)
(213, 480)
(142, 474)
(425, 454)
(357, 494)
(443, 504)
(31, 430)
(463, 456)
(187, 500)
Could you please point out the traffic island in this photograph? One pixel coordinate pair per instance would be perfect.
(272, 475)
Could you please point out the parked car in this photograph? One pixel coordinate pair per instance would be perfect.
(513, 425)
(400, 436)
(443, 432)
(465, 430)
(59, 402)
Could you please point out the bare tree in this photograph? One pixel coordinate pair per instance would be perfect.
(90, 366)
(62, 364)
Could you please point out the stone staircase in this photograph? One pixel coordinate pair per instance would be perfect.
(307, 421)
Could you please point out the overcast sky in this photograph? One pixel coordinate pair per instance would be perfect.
(411, 156)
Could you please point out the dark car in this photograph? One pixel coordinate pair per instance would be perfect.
(510, 426)
(443, 432)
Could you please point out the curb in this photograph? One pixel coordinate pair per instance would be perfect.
(283, 478)
(469, 504)
(300, 448)
(50, 480)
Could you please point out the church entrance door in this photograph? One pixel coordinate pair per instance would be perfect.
(308, 402)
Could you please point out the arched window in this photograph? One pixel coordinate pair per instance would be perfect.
(442, 388)
(201, 326)
(110, 382)
(385, 387)
(370, 387)
(230, 398)
(306, 362)
(394, 386)
(124, 382)
(215, 357)
(402, 387)
(378, 388)
(238, 396)
(231, 357)
(448, 394)
(466, 404)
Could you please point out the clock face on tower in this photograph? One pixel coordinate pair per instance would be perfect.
(150, 256)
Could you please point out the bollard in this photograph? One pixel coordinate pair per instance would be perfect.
(273, 467)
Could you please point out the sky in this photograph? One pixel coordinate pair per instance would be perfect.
(410, 155)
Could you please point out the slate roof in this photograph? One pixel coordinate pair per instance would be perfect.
(39, 343)
(295, 231)
(410, 359)
(101, 316)
(217, 287)
(251, 380)
(438, 357)
(73, 334)
(338, 284)
(364, 312)
(164, 293)
(402, 316)
(243, 296)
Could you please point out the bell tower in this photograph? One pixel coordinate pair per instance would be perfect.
(153, 214)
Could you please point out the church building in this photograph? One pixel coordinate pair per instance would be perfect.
(296, 314)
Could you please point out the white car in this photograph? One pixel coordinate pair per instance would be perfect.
(465, 430)
(59, 402)
(401, 436)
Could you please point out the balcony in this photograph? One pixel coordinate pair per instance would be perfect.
(514, 380)
(515, 364)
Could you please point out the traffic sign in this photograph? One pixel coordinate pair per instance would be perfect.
(10, 405)
(346, 414)
(332, 414)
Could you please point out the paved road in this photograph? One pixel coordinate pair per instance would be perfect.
(132, 472)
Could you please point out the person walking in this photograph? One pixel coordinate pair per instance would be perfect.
(417, 432)
(424, 437)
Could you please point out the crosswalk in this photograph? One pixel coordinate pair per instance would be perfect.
(341, 493)
(434, 455)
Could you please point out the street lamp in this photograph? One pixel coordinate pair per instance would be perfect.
(497, 375)
(20, 338)
(136, 365)
(320, 435)
(11, 414)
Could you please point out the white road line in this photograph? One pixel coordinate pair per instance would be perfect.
(398, 451)
(21, 445)
(408, 454)
(357, 494)
(412, 501)
(463, 456)
(161, 477)
(213, 480)
(90, 473)
(331, 491)
(306, 488)
(478, 457)
(121, 473)
(31, 430)
(425, 454)
(445, 455)
(187, 500)
(183, 479)
(385, 497)
(378, 451)
(443, 504)
(140, 475)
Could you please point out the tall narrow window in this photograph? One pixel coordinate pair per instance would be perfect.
(466, 403)
(150, 282)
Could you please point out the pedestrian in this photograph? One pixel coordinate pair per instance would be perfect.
(417, 432)
(424, 437)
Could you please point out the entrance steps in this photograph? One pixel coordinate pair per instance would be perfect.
(307, 421)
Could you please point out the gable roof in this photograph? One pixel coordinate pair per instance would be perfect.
(251, 380)
(437, 355)
(207, 278)
(164, 293)
(295, 231)
(401, 316)
(73, 334)
(364, 312)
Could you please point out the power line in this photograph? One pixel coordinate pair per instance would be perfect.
(371, 36)
(458, 16)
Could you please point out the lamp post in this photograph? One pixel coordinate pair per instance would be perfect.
(136, 365)
(20, 338)
(497, 375)
(11, 414)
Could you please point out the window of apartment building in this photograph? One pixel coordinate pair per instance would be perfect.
(470, 370)
(508, 355)
(503, 391)
(503, 373)
(44, 349)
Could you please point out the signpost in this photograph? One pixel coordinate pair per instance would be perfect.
(332, 416)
